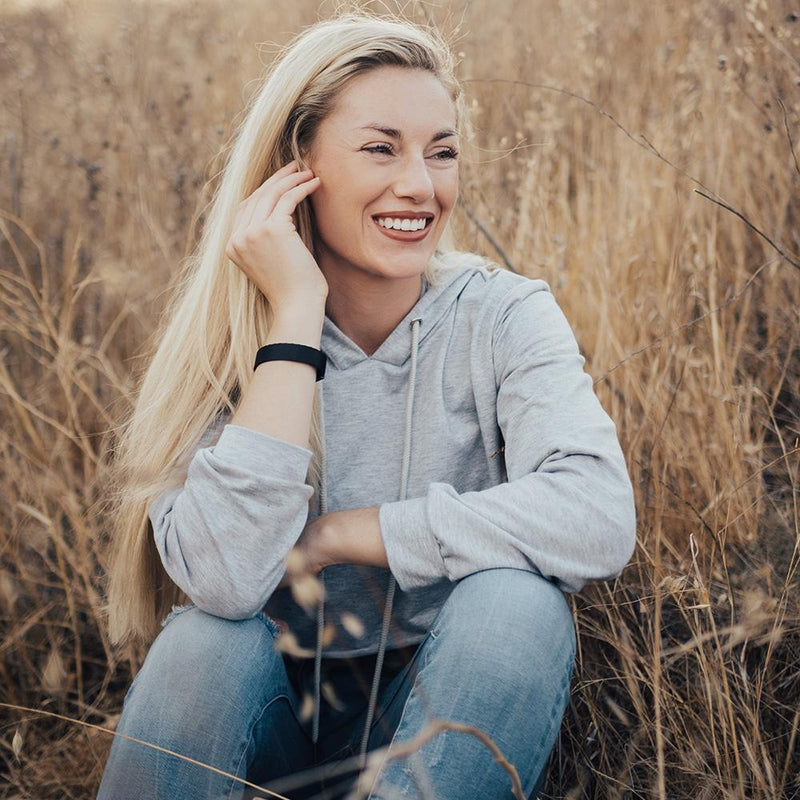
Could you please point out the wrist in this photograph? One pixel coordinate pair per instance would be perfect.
(299, 308)
(327, 540)
(352, 536)
(297, 325)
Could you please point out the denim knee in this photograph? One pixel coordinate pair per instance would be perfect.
(509, 623)
(212, 693)
(499, 657)
(199, 664)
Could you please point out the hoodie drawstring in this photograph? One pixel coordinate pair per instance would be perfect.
(323, 509)
(387, 609)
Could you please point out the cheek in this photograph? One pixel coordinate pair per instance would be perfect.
(334, 194)
(448, 191)
(324, 204)
(334, 220)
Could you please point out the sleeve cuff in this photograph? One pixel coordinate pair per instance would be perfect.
(412, 550)
(261, 453)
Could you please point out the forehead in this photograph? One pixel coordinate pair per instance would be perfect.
(409, 100)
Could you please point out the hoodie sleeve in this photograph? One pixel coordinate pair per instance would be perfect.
(567, 509)
(224, 534)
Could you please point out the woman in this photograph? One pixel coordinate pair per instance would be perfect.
(418, 432)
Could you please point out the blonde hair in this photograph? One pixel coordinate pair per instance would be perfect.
(218, 318)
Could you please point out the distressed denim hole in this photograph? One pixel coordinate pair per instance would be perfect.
(176, 610)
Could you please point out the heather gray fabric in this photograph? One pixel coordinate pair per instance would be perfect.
(513, 463)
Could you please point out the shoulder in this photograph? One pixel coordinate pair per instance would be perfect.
(488, 292)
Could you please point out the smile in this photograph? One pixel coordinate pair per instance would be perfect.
(404, 224)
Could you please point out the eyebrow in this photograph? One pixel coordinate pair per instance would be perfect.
(393, 133)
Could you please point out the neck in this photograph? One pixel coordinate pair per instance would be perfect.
(367, 309)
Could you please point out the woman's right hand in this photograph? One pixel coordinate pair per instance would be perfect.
(265, 244)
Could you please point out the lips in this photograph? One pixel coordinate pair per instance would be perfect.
(404, 228)
(404, 225)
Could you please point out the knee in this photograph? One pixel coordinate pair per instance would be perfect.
(510, 623)
(202, 662)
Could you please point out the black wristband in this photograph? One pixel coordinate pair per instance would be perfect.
(284, 351)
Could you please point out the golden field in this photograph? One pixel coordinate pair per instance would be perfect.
(596, 125)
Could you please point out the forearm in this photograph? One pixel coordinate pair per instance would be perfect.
(573, 521)
(343, 537)
(279, 399)
(212, 533)
(355, 538)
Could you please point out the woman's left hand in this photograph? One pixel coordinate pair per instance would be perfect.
(339, 537)
(310, 554)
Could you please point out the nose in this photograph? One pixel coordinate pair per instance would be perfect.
(413, 179)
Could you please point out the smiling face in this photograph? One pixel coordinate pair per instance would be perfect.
(387, 161)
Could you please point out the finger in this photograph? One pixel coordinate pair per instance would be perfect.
(286, 169)
(275, 177)
(261, 204)
(293, 197)
(269, 181)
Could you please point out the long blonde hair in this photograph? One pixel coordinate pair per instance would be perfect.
(217, 318)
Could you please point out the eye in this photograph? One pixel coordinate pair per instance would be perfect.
(382, 149)
(449, 153)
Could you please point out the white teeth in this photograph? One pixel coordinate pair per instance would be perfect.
(404, 224)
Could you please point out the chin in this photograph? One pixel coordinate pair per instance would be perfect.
(406, 267)
(399, 272)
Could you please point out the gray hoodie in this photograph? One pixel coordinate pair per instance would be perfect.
(475, 430)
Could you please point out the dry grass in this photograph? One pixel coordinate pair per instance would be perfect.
(689, 678)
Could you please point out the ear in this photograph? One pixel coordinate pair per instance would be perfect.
(304, 153)
(296, 148)
(305, 158)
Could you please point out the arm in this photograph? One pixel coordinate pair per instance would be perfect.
(567, 508)
(352, 536)
(223, 536)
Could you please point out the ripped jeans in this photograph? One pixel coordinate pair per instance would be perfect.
(499, 657)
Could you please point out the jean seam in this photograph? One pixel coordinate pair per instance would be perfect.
(394, 735)
(270, 624)
(176, 611)
(273, 628)
(381, 712)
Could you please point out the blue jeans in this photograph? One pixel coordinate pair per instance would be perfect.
(499, 656)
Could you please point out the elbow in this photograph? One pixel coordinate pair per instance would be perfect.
(618, 555)
(230, 597)
(608, 523)
(609, 553)
(231, 588)
(617, 535)
(230, 607)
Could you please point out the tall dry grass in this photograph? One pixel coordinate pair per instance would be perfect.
(595, 122)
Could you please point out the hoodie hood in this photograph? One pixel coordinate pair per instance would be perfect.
(433, 304)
